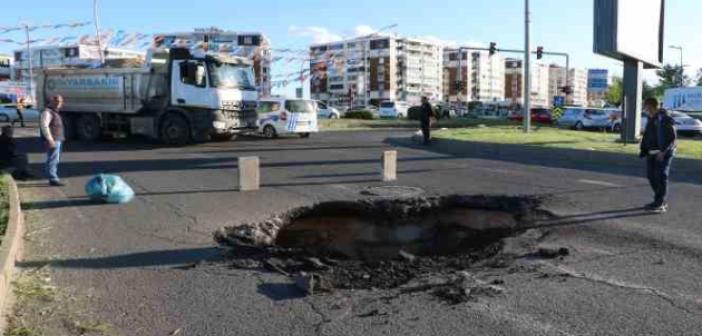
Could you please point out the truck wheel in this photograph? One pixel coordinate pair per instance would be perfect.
(87, 128)
(175, 130)
(304, 135)
(269, 132)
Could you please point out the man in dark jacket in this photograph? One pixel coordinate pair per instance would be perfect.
(658, 148)
(427, 112)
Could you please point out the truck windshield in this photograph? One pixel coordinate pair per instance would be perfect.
(230, 76)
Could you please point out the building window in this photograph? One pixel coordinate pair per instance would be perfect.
(249, 40)
(380, 44)
(336, 87)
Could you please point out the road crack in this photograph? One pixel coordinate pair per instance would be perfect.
(622, 285)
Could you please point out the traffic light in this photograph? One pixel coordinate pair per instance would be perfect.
(539, 52)
(493, 48)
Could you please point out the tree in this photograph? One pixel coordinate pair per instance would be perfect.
(615, 92)
(699, 77)
(670, 76)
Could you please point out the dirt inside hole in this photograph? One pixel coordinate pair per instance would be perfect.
(384, 243)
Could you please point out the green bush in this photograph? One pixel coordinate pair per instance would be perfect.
(414, 112)
(363, 115)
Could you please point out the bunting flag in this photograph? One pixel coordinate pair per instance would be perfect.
(4, 30)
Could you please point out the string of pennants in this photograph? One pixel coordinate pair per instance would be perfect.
(4, 30)
(321, 66)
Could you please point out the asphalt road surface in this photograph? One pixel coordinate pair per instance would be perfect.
(151, 267)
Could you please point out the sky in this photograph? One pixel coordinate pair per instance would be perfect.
(557, 25)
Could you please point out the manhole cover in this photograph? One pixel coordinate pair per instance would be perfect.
(393, 192)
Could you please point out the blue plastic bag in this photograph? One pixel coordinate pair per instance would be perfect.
(109, 189)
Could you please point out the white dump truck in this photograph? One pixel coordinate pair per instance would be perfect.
(177, 97)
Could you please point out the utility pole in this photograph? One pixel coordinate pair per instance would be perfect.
(682, 66)
(97, 31)
(527, 70)
(29, 65)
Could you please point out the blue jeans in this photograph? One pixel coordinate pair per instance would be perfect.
(53, 155)
(658, 173)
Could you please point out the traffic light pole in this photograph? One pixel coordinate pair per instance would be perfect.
(527, 68)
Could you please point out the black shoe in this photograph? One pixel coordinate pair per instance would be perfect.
(650, 206)
(57, 184)
(661, 209)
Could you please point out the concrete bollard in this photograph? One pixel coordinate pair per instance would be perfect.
(249, 176)
(389, 166)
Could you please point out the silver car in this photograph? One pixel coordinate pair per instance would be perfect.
(327, 112)
(581, 118)
(8, 114)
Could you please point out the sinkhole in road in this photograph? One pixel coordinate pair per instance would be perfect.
(372, 230)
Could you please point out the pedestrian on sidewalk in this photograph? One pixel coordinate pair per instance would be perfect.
(52, 132)
(427, 113)
(20, 111)
(658, 148)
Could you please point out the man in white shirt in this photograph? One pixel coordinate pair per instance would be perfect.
(52, 132)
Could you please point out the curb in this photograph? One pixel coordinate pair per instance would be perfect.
(11, 248)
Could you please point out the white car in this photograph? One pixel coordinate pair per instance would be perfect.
(393, 109)
(8, 114)
(327, 112)
(278, 116)
(684, 124)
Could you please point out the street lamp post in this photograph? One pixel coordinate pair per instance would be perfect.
(97, 31)
(29, 64)
(682, 66)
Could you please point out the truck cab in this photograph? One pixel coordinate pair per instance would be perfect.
(219, 91)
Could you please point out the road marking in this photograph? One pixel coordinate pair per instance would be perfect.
(599, 183)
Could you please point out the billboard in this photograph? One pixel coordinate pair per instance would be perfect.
(597, 80)
(683, 99)
(630, 29)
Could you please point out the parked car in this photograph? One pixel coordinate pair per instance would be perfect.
(8, 113)
(277, 116)
(617, 123)
(684, 124)
(581, 118)
(326, 111)
(393, 109)
(538, 115)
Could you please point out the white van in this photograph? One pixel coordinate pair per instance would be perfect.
(393, 109)
(277, 116)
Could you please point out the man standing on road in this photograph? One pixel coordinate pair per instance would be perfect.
(20, 110)
(51, 126)
(658, 147)
(427, 112)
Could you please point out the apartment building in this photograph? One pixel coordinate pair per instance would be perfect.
(514, 83)
(598, 82)
(368, 70)
(246, 44)
(483, 76)
(577, 80)
(5, 64)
